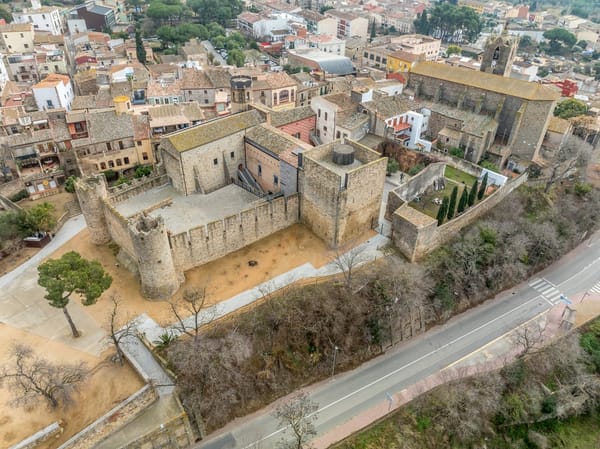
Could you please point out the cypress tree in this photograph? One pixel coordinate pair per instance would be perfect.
(462, 203)
(472, 194)
(442, 211)
(483, 186)
(452, 203)
(139, 47)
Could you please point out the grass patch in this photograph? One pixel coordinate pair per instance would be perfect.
(382, 435)
(459, 176)
(426, 202)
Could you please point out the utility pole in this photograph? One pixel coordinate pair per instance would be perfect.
(335, 350)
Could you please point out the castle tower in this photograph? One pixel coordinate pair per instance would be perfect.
(91, 191)
(158, 275)
(240, 93)
(499, 54)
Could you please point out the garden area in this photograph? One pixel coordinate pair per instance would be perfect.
(451, 196)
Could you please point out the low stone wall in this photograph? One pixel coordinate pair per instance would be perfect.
(8, 189)
(125, 191)
(38, 437)
(421, 181)
(114, 419)
(456, 162)
(174, 434)
(416, 235)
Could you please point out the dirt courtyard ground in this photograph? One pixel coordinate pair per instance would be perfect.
(109, 385)
(222, 278)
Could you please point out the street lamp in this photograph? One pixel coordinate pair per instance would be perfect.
(335, 350)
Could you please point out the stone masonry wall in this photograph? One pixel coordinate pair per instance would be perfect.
(421, 181)
(200, 171)
(171, 160)
(137, 186)
(118, 228)
(113, 420)
(362, 200)
(216, 239)
(8, 189)
(533, 128)
(416, 241)
(174, 434)
(320, 199)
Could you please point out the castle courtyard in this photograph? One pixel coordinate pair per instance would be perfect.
(181, 212)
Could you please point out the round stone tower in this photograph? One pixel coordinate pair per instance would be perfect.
(240, 93)
(91, 193)
(158, 275)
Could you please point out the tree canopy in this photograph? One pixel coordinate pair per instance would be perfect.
(220, 11)
(570, 108)
(559, 39)
(72, 274)
(449, 22)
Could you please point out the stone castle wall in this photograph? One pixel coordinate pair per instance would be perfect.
(418, 235)
(136, 186)
(205, 243)
(174, 434)
(118, 227)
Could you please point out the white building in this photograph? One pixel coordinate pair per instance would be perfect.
(46, 18)
(4, 77)
(55, 91)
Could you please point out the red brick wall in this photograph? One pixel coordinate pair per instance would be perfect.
(304, 127)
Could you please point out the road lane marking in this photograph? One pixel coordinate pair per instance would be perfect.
(396, 371)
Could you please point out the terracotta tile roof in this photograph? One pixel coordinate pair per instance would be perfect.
(387, 107)
(280, 118)
(341, 100)
(219, 78)
(215, 130)
(277, 142)
(16, 27)
(175, 114)
(52, 80)
(485, 81)
(141, 127)
(195, 79)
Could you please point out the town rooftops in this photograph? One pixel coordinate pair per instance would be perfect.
(101, 10)
(485, 81)
(387, 107)
(215, 130)
(277, 142)
(341, 100)
(16, 27)
(341, 14)
(53, 80)
(283, 117)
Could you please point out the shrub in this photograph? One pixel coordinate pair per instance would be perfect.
(143, 170)
(122, 180)
(582, 188)
(489, 165)
(21, 194)
(415, 169)
(70, 184)
(392, 166)
(457, 152)
(110, 175)
(549, 404)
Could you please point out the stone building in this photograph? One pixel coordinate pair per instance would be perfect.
(225, 184)
(522, 110)
(499, 54)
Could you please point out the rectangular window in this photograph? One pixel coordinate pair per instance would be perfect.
(275, 180)
(326, 116)
(145, 156)
(319, 113)
(111, 164)
(119, 163)
(259, 170)
(215, 161)
(126, 160)
(325, 129)
(121, 145)
(139, 143)
(232, 154)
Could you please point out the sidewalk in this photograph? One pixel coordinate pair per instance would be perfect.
(491, 357)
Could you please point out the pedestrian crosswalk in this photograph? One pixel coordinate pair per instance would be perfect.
(547, 289)
(595, 288)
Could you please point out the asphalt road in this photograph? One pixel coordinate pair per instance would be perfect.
(350, 393)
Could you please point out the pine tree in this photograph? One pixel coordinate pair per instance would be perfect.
(472, 194)
(462, 203)
(482, 187)
(140, 51)
(442, 211)
(452, 203)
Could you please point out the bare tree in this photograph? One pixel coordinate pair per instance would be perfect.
(573, 155)
(347, 261)
(298, 415)
(530, 337)
(119, 327)
(29, 377)
(191, 306)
